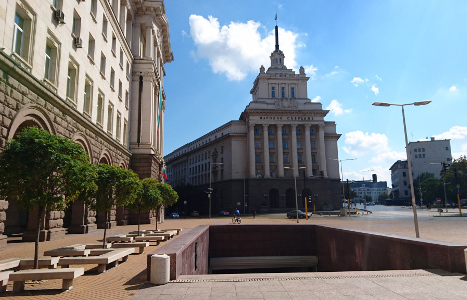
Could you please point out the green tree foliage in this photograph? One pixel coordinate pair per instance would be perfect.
(169, 196)
(456, 175)
(149, 198)
(115, 186)
(44, 172)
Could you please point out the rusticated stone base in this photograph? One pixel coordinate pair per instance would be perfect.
(110, 225)
(31, 235)
(82, 229)
(3, 240)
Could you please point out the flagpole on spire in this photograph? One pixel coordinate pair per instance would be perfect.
(276, 19)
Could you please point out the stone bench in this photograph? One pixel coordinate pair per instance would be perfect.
(68, 251)
(139, 245)
(148, 238)
(167, 235)
(67, 275)
(101, 257)
(4, 280)
(48, 262)
(9, 264)
(121, 238)
(98, 246)
(178, 230)
(262, 262)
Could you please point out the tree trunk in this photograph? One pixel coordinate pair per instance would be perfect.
(105, 228)
(157, 216)
(36, 243)
(139, 220)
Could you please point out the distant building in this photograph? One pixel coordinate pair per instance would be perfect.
(372, 188)
(400, 180)
(428, 156)
(252, 162)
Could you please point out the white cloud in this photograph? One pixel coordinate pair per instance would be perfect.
(332, 73)
(310, 71)
(238, 48)
(455, 133)
(453, 88)
(388, 157)
(336, 108)
(359, 143)
(379, 78)
(375, 89)
(357, 80)
(316, 99)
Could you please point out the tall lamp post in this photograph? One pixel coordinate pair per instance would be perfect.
(414, 206)
(210, 188)
(296, 198)
(342, 174)
(364, 190)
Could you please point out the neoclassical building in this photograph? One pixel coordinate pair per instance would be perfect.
(252, 162)
(92, 71)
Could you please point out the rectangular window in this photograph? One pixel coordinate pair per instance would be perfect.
(91, 47)
(271, 158)
(127, 70)
(313, 158)
(71, 82)
(284, 131)
(299, 158)
(298, 131)
(257, 144)
(127, 96)
(104, 27)
(110, 118)
(112, 78)
(257, 158)
(103, 62)
(271, 144)
(292, 92)
(285, 145)
(48, 61)
(100, 109)
(119, 125)
(283, 92)
(273, 92)
(87, 106)
(312, 144)
(312, 131)
(18, 35)
(114, 44)
(299, 144)
(120, 90)
(270, 131)
(76, 26)
(423, 149)
(94, 8)
(286, 158)
(50, 64)
(256, 131)
(416, 156)
(415, 150)
(121, 59)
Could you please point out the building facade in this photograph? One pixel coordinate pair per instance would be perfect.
(400, 180)
(370, 188)
(429, 156)
(91, 71)
(252, 162)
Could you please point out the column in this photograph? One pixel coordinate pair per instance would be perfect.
(280, 152)
(322, 151)
(136, 40)
(251, 149)
(149, 41)
(308, 162)
(266, 151)
(294, 151)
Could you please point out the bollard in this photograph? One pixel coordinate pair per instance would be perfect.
(465, 254)
(160, 269)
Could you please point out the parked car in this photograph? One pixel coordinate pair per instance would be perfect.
(174, 215)
(223, 213)
(293, 214)
(195, 213)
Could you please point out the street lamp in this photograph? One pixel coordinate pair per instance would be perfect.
(296, 198)
(210, 189)
(414, 207)
(364, 189)
(342, 174)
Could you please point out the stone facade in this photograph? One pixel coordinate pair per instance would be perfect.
(73, 69)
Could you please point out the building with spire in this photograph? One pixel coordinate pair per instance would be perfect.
(251, 163)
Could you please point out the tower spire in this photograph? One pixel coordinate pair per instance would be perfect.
(277, 35)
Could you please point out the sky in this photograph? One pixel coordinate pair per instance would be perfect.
(355, 53)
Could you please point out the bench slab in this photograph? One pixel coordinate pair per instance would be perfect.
(119, 239)
(111, 256)
(49, 262)
(67, 252)
(10, 263)
(139, 245)
(67, 275)
(98, 246)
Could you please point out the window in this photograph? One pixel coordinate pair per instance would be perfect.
(125, 128)
(447, 148)
(299, 158)
(18, 35)
(71, 81)
(299, 144)
(127, 70)
(423, 155)
(114, 44)
(271, 144)
(423, 149)
(110, 113)
(286, 158)
(120, 90)
(416, 156)
(112, 78)
(104, 27)
(121, 59)
(22, 37)
(271, 158)
(100, 109)
(312, 131)
(313, 158)
(273, 92)
(127, 99)
(270, 131)
(119, 125)
(404, 174)
(256, 131)
(94, 8)
(285, 145)
(312, 144)
(257, 158)
(415, 150)
(284, 131)
(283, 92)
(50, 64)
(87, 106)
(103, 61)
(298, 131)
(405, 182)
(76, 26)
(91, 47)
(257, 144)
(292, 92)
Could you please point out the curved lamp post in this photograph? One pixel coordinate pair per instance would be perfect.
(414, 206)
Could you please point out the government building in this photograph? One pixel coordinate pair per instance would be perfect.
(253, 163)
(92, 71)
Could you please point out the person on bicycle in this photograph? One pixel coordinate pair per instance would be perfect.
(237, 214)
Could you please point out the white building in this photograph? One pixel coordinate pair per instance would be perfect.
(369, 188)
(400, 180)
(280, 135)
(428, 156)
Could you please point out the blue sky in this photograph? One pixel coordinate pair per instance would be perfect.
(355, 53)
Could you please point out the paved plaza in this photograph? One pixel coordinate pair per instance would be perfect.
(128, 280)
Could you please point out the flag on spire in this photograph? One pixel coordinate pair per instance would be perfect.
(275, 17)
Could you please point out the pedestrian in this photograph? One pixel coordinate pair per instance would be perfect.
(254, 213)
(236, 215)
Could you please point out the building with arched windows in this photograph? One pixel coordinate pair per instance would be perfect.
(92, 71)
(253, 162)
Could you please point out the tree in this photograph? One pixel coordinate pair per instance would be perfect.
(169, 197)
(149, 197)
(115, 186)
(44, 172)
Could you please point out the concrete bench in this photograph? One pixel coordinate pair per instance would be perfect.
(98, 246)
(153, 238)
(178, 230)
(139, 245)
(67, 252)
(120, 238)
(67, 275)
(140, 232)
(101, 257)
(262, 262)
(48, 262)
(4, 280)
(167, 235)
(9, 264)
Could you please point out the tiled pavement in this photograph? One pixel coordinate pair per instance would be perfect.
(129, 279)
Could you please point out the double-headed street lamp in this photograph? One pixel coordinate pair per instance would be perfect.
(210, 189)
(296, 198)
(414, 206)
